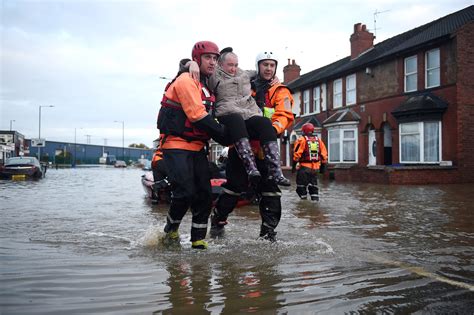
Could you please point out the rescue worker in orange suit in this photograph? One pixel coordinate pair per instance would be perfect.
(187, 126)
(275, 102)
(312, 155)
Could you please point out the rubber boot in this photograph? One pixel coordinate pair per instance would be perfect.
(244, 150)
(272, 158)
(268, 235)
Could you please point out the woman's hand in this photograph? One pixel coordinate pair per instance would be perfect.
(275, 80)
(193, 70)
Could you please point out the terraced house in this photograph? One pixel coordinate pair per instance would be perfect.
(400, 111)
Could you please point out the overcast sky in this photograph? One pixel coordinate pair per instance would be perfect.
(100, 61)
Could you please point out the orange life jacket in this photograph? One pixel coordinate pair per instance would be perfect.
(172, 119)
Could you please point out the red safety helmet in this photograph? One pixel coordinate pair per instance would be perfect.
(307, 128)
(204, 47)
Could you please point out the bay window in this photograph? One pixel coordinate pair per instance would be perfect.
(420, 142)
(343, 145)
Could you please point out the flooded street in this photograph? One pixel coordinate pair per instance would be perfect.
(85, 241)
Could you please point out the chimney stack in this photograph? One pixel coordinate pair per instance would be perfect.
(291, 71)
(361, 40)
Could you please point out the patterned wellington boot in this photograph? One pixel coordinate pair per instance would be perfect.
(272, 158)
(244, 150)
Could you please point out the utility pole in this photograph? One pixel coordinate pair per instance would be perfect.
(39, 129)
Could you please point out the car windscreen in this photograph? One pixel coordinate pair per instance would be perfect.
(11, 161)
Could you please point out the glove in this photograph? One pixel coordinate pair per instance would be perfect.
(212, 127)
(293, 168)
(322, 168)
(161, 184)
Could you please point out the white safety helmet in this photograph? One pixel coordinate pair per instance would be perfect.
(265, 55)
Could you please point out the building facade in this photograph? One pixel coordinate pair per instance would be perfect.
(400, 111)
(12, 143)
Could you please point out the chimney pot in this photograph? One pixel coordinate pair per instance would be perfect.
(291, 71)
(361, 40)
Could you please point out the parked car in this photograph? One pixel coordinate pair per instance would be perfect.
(120, 163)
(22, 168)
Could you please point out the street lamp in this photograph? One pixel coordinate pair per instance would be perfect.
(11, 123)
(123, 137)
(39, 129)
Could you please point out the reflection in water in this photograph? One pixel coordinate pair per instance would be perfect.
(220, 288)
(86, 241)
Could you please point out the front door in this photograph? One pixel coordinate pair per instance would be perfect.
(372, 148)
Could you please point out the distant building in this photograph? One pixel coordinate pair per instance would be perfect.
(400, 111)
(12, 143)
(79, 153)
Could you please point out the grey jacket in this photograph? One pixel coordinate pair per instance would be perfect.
(233, 94)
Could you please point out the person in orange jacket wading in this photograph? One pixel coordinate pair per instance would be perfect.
(186, 125)
(312, 155)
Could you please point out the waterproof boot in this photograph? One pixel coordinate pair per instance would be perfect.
(268, 236)
(200, 244)
(171, 237)
(244, 150)
(272, 158)
(217, 227)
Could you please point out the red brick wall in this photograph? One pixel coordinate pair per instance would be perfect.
(465, 100)
(398, 176)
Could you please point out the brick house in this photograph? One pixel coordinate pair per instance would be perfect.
(398, 112)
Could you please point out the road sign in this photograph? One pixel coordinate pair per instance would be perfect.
(38, 143)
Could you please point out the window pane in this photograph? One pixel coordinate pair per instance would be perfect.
(409, 128)
(410, 65)
(411, 83)
(338, 86)
(348, 134)
(350, 82)
(410, 148)
(433, 77)
(334, 151)
(431, 141)
(316, 99)
(433, 59)
(350, 97)
(348, 151)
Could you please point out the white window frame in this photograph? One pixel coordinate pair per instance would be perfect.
(351, 90)
(337, 94)
(420, 132)
(317, 99)
(411, 74)
(339, 132)
(306, 109)
(297, 103)
(433, 70)
(323, 97)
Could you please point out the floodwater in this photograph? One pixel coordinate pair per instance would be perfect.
(85, 241)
